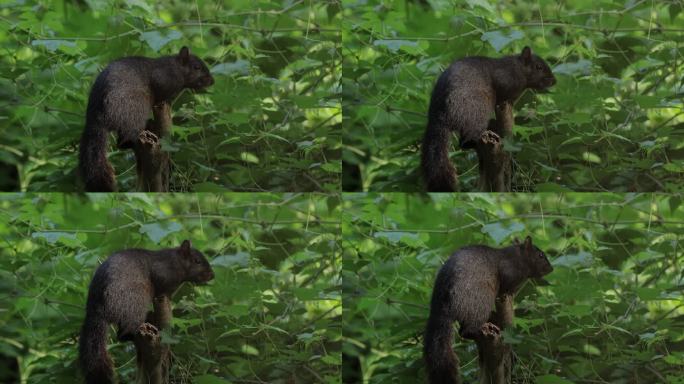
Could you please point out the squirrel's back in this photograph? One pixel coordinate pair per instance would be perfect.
(471, 269)
(467, 98)
(122, 98)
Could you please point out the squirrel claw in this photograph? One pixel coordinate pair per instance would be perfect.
(490, 330)
(148, 331)
(147, 137)
(490, 137)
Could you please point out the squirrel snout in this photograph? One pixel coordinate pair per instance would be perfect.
(210, 275)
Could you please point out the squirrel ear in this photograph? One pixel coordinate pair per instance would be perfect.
(185, 246)
(516, 241)
(528, 243)
(526, 54)
(184, 54)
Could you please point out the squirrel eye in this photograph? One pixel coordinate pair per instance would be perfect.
(539, 67)
(196, 67)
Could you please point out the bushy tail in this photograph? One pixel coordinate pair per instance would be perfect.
(95, 170)
(96, 364)
(440, 359)
(438, 172)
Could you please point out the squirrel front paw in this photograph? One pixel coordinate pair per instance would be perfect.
(148, 138)
(490, 137)
(490, 330)
(490, 335)
(148, 331)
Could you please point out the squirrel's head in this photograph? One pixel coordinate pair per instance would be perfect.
(195, 73)
(196, 265)
(535, 258)
(537, 72)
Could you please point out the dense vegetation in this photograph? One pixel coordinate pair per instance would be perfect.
(272, 313)
(613, 312)
(270, 122)
(614, 121)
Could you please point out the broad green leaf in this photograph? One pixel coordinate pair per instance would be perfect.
(159, 230)
(498, 39)
(159, 38)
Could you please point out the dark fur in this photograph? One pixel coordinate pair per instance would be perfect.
(465, 290)
(121, 101)
(121, 293)
(464, 100)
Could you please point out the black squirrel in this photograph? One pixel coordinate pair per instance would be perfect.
(466, 289)
(122, 293)
(465, 98)
(122, 100)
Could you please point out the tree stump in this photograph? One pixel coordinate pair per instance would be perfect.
(495, 163)
(152, 164)
(153, 356)
(494, 355)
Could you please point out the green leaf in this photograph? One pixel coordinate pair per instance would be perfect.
(677, 166)
(647, 101)
(249, 350)
(576, 260)
(240, 259)
(159, 38)
(249, 158)
(69, 239)
(54, 45)
(590, 349)
(395, 45)
(481, 3)
(577, 68)
(335, 167)
(498, 40)
(499, 231)
(237, 67)
(159, 230)
(647, 293)
(591, 157)
(236, 310)
(407, 238)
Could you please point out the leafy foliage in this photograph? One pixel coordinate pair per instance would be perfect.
(270, 122)
(613, 311)
(272, 313)
(612, 122)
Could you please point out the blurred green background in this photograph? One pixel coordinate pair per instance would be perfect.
(272, 314)
(269, 123)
